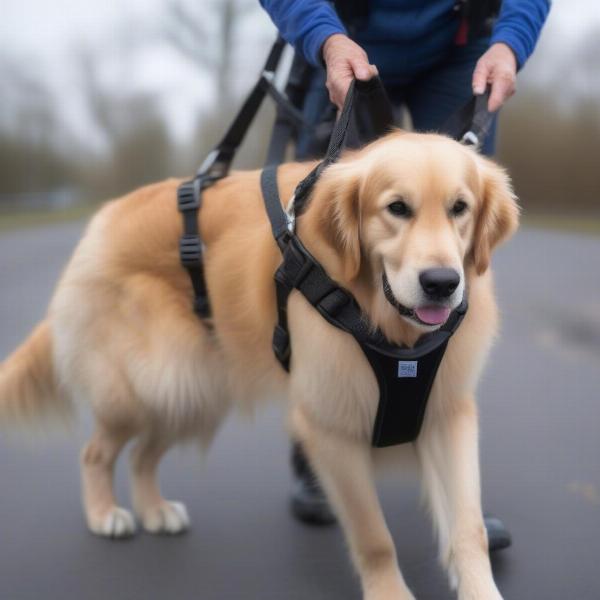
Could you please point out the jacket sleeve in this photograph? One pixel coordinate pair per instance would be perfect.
(305, 24)
(519, 25)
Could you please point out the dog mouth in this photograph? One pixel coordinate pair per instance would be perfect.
(430, 315)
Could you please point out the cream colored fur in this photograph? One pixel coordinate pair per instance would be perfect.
(120, 336)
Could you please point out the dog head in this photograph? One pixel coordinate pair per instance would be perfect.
(415, 215)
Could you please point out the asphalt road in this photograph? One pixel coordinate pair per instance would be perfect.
(540, 411)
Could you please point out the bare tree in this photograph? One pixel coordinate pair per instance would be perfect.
(134, 130)
(31, 132)
(188, 27)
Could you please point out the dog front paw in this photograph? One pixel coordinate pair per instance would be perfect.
(168, 517)
(116, 522)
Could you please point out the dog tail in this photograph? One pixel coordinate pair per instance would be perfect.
(28, 384)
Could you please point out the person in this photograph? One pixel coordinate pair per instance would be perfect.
(431, 56)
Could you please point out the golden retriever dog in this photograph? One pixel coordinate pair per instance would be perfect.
(120, 335)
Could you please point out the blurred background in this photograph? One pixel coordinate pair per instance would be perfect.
(100, 97)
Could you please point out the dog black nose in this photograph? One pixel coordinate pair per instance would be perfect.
(439, 283)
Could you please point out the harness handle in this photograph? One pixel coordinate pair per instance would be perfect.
(471, 123)
(336, 144)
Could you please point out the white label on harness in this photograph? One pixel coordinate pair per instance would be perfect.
(407, 368)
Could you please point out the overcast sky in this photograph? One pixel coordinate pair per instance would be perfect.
(42, 37)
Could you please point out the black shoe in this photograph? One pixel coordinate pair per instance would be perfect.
(498, 536)
(308, 501)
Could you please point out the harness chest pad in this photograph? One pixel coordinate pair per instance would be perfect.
(404, 388)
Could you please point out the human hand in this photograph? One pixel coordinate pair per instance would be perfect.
(498, 67)
(344, 60)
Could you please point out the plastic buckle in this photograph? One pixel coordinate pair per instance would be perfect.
(269, 76)
(470, 139)
(215, 166)
(190, 251)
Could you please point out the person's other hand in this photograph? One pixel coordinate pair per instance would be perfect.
(498, 67)
(344, 60)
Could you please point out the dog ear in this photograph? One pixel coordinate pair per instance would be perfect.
(340, 218)
(498, 215)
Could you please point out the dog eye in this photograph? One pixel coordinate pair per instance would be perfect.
(399, 208)
(459, 208)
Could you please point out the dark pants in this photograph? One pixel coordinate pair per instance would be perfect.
(430, 97)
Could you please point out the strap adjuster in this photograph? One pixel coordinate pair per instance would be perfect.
(296, 264)
(190, 251)
(334, 301)
(187, 198)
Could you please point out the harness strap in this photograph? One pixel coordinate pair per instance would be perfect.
(283, 285)
(284, 128)
(276, 214)
(281, 343)
(216, 166)
(189, 199)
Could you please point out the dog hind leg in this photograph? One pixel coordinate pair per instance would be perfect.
(156, 514)
(98, 459)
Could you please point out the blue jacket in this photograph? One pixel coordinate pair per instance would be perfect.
(403, 26)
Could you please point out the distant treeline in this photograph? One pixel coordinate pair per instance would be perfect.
(552, 155)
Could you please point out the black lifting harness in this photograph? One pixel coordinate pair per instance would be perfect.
(404, 375)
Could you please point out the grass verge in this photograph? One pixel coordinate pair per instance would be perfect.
(582, 224)
(10, 221)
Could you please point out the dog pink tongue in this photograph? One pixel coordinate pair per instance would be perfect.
(433, 315)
